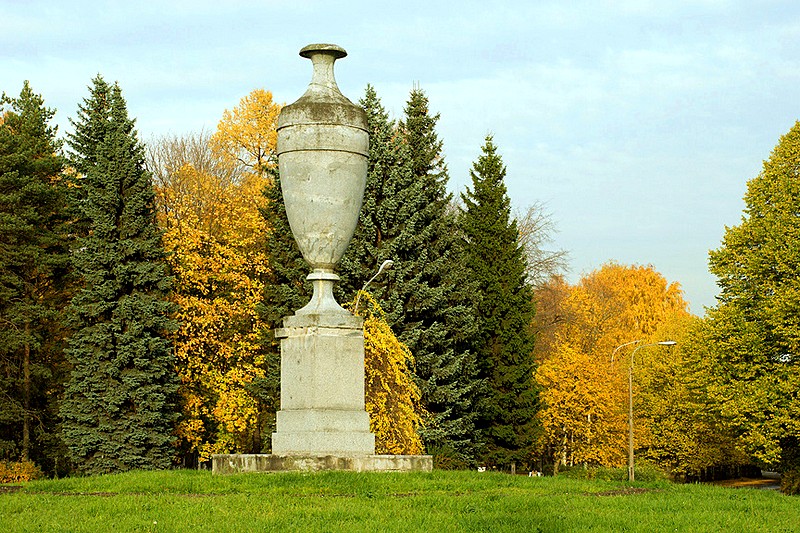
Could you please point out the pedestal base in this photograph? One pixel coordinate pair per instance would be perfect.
(322, 388)
(262, 462)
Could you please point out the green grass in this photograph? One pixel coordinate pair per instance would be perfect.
(185, 500)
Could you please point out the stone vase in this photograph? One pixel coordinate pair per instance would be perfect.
(322, 157)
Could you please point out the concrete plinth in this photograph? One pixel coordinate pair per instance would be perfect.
(322, 387)
(261, 462)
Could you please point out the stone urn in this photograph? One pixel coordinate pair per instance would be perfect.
(322, 158)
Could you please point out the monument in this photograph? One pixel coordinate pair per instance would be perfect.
(322, 157)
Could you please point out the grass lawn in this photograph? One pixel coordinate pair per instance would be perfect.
(186, 500)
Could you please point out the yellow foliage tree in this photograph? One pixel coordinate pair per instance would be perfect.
(246, 137)
(214, 237)
(392, 398)
(583, 397)
(580, 410)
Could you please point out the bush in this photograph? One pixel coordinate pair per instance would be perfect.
(18, 471)
(790, 482)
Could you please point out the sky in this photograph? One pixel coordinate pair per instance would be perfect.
(635, 123)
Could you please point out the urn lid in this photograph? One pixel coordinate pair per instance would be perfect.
(322, 102)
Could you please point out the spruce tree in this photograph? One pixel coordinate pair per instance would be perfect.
(754, 330)
(33, 268)
(119, 408)
(383, 214)
(504, 301)
(430, 301)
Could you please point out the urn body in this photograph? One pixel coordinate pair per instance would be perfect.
(322, 158)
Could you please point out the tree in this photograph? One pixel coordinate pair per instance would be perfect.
(536, 228)
(583, 394)
(755, 328)
(581, 414)
(33, 270)
(392, 398)
(382, 220)
(429, 301)
(676, 404)
(119, 406)
(495, 261)
(215, 238)
(247, 136)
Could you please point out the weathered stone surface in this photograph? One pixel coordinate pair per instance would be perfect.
(322, 387)
(322, 155)
(322, 150)
(239, 463)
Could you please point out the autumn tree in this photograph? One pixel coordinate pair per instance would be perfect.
(246, 136)
(754, 331)
(676, 401)
(33, 268)
(608, 308)
(504, 302)
(215, 238)
(581, 415)
(119, 405)
(392, 398)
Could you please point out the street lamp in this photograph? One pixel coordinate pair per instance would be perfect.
(630, 396)
(386, 264)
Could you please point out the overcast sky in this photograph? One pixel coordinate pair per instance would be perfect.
(637, 123)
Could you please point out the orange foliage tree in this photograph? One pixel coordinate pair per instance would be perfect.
(215, 235)
(209, 195)
(583, 396)
(218, 259)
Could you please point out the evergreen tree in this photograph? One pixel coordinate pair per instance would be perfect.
(504, 301)
(755, 327)
(429, 303)
(33, 265)
(383, 214)
(119, 407)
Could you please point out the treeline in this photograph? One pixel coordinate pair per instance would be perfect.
(140, 287)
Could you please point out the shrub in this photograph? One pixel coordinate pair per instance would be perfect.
(18, 471)
(790, 482)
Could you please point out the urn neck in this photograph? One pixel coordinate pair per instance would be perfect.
(322, 58)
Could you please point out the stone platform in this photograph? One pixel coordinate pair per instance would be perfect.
(262, 462)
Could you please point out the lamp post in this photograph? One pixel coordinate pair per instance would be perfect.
(630, 396)
(386, 264)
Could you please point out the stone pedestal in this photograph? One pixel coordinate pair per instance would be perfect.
(322, 387)
(265, 463)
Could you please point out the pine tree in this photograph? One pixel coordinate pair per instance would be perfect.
(429, 302)
(504, 301)
(119, 408)
(33, 268)
(755, 328)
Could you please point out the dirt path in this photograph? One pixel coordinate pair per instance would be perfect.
(765, 483)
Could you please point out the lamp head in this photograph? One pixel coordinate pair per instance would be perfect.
(386, 264)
